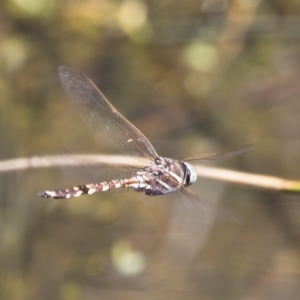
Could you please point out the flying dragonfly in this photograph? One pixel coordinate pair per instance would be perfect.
(161, 177)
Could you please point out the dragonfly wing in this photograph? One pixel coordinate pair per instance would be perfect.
(218, 157)
(101, 117)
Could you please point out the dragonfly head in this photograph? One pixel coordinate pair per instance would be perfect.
(191, 174)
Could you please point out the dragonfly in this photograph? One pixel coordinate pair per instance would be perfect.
(162, 176)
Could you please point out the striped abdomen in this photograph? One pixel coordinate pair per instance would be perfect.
(89, 189)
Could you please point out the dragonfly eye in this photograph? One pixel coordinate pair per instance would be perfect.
(191, 174)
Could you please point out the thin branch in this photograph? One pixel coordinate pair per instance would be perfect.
(67, 160)
(254, 180)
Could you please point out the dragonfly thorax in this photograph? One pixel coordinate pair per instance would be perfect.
(164, 175)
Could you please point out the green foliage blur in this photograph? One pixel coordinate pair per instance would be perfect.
(194, 77)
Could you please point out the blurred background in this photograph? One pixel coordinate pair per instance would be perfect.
(194, 77)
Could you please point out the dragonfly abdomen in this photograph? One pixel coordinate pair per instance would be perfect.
(87, 189)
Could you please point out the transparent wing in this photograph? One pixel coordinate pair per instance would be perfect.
(101, 117)
(217, 157)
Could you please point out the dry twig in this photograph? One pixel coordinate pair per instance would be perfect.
(254, 180)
